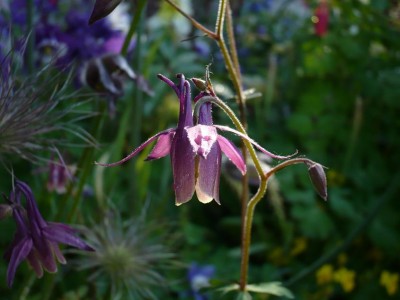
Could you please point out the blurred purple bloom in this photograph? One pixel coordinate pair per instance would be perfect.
(59, 176)
(199, 277)
(37, 240)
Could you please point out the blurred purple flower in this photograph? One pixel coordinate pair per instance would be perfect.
(199, 277)
(60, 175)
(36, 240)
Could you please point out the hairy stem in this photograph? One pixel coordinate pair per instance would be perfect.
(192, 20)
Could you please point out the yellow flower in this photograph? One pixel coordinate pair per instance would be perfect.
(324, 274)
(390, 281)
(300, 244)
(345, 278)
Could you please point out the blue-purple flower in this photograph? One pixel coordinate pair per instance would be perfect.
(199, 277)
(37, 240)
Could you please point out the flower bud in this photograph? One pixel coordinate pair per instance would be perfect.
(318, 178)
(200, 84)
(103, 8)
(5, 211)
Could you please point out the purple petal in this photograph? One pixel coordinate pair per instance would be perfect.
(209, 171)
(35, 264)
(169, 82)
(34, 216)
(243, 136)
(45, 255)
(202, 138)
(232, 153)
(56, 233)
(19, 253)
(137, 150)
(162, 147)
(57, 252)
(183, 167)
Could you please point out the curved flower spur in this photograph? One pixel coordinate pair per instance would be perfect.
(195, 149)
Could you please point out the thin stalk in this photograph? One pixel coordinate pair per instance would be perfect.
(231, 39)
(87, 163)
(132, 28)
(192, 20)
(219, 25)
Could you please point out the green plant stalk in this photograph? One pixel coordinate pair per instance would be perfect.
(219, 25)
(249, 211)
(87, 162)
(132, 29)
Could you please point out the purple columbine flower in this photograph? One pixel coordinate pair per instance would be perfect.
(37, 240)
(186, 144)
(195, 150)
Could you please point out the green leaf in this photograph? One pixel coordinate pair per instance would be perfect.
(272, 288)
(244, 296)
(229, 288)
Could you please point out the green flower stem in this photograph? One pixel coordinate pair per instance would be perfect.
(132, 29)
(86, 163)
(249, 208)
(286, 164)
(219, 25)
(192, 20)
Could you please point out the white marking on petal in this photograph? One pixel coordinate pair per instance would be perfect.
(202, 138)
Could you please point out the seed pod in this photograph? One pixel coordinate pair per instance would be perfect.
(318, 178)
(102, 8)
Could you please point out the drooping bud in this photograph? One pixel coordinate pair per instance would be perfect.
(318, 178)
(5, 211)
(102, 8)
(200, 84)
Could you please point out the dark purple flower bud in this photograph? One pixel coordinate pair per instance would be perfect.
(5, 211)
(318, 178)
(103, 8)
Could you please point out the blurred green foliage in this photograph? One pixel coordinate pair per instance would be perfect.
(335, 98)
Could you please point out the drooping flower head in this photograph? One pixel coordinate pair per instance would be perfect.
(195, 149)
(35, 239)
